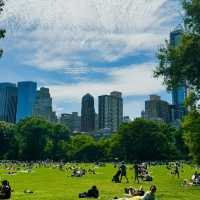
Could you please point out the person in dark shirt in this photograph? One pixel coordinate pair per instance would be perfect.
(5, 190)
(136, 170)
(93, 192)
(123, 171)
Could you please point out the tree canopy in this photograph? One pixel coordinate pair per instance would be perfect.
(2, 31)
(181, 63)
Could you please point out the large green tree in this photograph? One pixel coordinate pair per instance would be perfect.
(8, 142)
(57, 144)
(2, 31)
(33, 135)
(146, 140)
(191, 129)
(182, 63)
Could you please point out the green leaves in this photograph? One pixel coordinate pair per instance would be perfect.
(180, 63)
(191, 129)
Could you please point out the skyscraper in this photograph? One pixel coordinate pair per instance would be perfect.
(157, 109)
(43, 104)
(87, 114)
(111, 111)
(8, 102)
(180, 92)
(26, 99)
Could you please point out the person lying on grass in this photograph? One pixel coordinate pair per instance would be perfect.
(134, 192)
(150, 195)
(5, 190)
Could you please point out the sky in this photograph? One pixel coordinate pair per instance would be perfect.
(76, 47)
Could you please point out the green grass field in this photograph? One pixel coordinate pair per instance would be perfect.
(54, 184)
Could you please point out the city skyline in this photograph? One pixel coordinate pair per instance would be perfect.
(96, 52)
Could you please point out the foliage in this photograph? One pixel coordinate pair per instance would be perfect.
(146, 140)
(2, 31)
(38, 139)
(8, 143)
(181, 63)
(41, 140)
(191, 128)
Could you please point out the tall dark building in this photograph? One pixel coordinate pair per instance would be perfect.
(26, 99)
(179, 93)
(87, 114)
(8, 102)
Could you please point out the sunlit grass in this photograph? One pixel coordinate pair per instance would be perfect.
(54, 184)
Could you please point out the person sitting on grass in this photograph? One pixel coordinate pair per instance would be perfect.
(134, 192)
(5, 190)
(92, 193)
(150, 195)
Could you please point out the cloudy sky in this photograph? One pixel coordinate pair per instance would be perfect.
(80, 46)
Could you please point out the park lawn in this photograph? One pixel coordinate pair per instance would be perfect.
(54, 184)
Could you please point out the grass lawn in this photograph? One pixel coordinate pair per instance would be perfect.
(54, 184)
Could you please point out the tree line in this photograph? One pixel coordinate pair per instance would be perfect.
(38, 139)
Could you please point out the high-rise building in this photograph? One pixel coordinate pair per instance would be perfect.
(43, 104)
(87, 114)
(179, 93)
(111, 111)
(26, 99)
(71, 121)
(157, 109)
(8, 102)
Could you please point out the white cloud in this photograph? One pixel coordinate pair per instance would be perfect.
(68, 35)
(134, 80)
(55, 31)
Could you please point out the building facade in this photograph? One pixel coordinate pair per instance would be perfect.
(8, 102)
(43, 105)
(71, 121)
(26, 99)
(87, 114)
(111, 111)
(157, 109)
(179, 93)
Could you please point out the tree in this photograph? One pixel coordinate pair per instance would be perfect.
(146, 140)
(8, 142)
(33, 136)
(79, 147)
(57, 144)
(181, 63)
(2, 31)
(191, 130)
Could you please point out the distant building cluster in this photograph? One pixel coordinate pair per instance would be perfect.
(108, 119)
(157, 109)
(23, 100)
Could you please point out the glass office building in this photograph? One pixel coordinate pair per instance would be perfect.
(26, 99)
(8, 102)
(180, 93)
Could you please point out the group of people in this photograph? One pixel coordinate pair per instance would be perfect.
(140, 172)
(117, 178)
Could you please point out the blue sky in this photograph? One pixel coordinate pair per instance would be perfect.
(79, 46)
